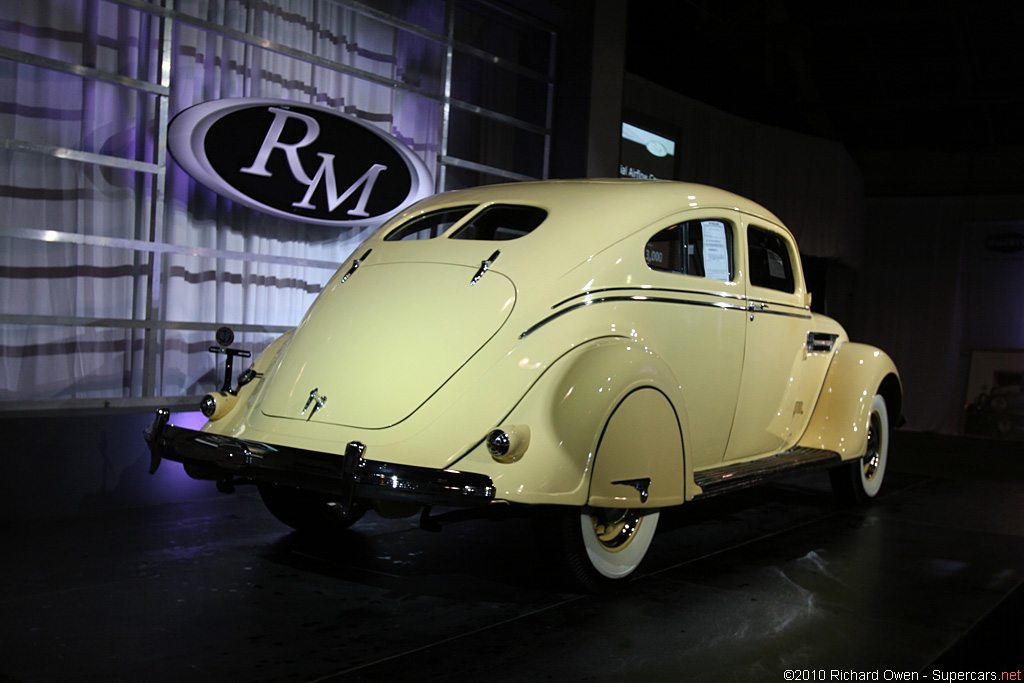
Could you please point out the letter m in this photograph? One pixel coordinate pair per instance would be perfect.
(326, 173)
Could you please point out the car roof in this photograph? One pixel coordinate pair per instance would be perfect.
(604, 210)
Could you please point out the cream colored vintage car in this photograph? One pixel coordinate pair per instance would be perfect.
(589, 351)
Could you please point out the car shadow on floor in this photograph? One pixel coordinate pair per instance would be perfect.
(491, 559)
(484, 559)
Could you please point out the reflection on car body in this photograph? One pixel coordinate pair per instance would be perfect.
(593, 351)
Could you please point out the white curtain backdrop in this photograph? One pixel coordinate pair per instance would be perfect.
(55, 212)
(40, 106)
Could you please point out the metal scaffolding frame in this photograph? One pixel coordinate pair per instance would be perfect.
(148, 246)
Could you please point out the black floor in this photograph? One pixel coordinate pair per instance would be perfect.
(926, 579)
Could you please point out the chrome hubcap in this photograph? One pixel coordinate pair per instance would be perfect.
(615, 528)
(873, 458)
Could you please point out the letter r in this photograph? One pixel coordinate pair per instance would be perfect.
(272, 141)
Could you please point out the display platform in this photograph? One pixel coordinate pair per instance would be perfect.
(748, 587)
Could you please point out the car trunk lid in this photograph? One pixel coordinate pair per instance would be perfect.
(377, 346)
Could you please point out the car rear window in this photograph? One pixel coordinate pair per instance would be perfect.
(501, 222)
(429, 224)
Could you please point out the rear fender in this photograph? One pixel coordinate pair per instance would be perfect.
(840, 419)
(588, 402)
(640, 457)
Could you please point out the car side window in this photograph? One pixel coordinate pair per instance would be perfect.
(501, 222)
(428, 225)
(699, 247)
(769, 260)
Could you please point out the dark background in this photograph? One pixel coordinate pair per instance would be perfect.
(925, 96)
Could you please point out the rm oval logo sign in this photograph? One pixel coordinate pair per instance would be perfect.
(298, 161)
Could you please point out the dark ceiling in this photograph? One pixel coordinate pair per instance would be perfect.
(927, 101)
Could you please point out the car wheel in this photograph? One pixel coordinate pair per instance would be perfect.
(308, 511)
(596, 547)
(861, 479)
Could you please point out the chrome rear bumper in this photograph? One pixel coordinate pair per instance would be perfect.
(216, 457)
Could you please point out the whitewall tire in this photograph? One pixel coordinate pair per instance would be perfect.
(861, 479)
(595, 548)
(616, 541)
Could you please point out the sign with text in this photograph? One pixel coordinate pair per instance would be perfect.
(643, 154)
(298, 161)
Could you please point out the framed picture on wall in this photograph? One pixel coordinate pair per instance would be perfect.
(995, 394)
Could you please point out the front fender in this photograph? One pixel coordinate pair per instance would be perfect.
(567, 412)
(840, 419)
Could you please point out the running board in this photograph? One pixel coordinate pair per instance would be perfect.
(732, 477)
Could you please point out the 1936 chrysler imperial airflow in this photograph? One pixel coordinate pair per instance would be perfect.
(597, 350)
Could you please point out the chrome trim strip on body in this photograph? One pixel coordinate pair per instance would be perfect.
(667, 300)
(215, 457)
(671, 290)
(635, 297)
(763, 308)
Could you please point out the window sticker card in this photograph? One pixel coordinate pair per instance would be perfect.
(716, 250)
(776, 266)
